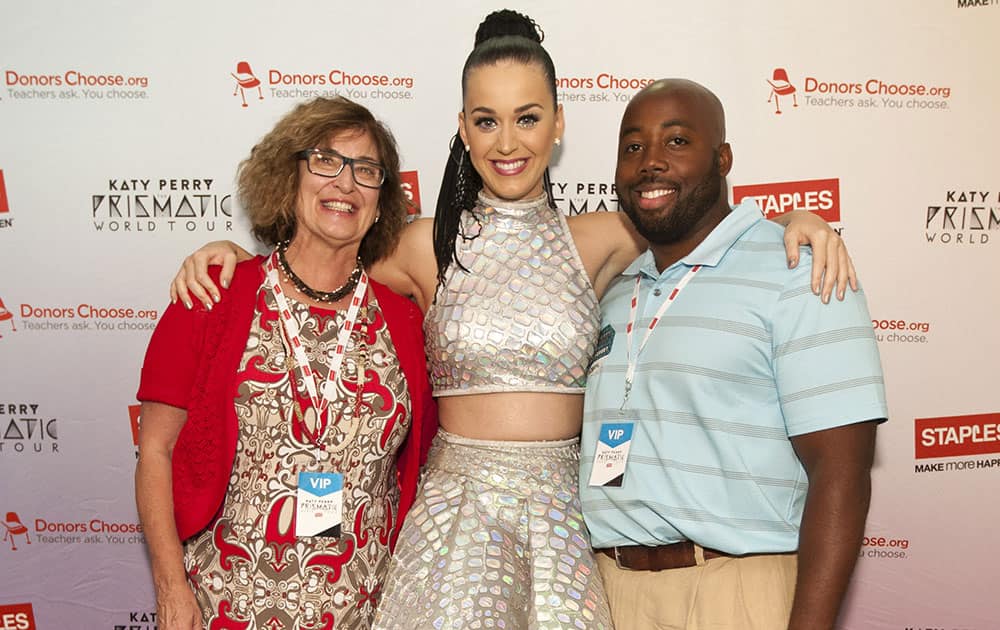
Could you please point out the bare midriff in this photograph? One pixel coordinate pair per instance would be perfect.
(512, 416)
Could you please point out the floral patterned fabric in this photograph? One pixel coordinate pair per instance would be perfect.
(250, 570)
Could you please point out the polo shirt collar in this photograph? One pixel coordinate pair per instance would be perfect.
(711, 250)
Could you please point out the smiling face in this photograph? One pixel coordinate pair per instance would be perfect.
(510, 124)
(335, 210)
(672, 162)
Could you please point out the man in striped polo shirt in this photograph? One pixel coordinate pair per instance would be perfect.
(730, 415)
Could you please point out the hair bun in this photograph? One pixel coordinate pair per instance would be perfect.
(506, 22)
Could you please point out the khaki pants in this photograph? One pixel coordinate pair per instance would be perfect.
(751, 593)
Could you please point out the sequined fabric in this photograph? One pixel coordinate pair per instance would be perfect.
(495, 540)
(524, 318)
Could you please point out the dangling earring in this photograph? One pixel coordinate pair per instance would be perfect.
(461, 154)
(558, 141)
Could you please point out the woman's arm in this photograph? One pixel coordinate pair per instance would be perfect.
(192, 278)
(176, 607)
(410, 270)
(832, 266)
(608, 243)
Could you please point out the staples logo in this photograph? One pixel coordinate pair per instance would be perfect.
(820, 196)
(17, 617)
(246, 80)
(135, 419)
(411, 188)
(4, 206)
(968, 4)
(781, 86)
(955, 436)
(13, 527)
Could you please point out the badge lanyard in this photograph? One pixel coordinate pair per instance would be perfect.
(328, 392)
(630, 327)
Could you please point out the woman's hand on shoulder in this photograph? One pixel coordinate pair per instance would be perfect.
(831, 265)
(192, 278)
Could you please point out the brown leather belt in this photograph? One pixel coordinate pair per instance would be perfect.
(675, 556)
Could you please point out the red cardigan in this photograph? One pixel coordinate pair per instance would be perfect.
(192, 361)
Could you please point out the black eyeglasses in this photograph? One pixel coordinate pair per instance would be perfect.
(327, 163)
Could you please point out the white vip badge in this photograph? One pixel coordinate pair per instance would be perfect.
(605, 340)
(319, 504)
(611, 455)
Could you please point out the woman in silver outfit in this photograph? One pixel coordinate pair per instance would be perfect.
(510, 290)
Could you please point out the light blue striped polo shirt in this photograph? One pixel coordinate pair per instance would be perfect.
(745, 357)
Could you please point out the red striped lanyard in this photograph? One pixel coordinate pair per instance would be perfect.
(630, 327)
(328, 392)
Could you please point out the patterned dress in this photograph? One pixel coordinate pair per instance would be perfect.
(250, 571)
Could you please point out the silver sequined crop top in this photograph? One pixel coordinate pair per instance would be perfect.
(524, 318)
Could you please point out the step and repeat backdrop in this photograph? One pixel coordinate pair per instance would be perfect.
(121, 125)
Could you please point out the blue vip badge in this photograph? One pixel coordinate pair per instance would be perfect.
(611, 454)
(319, 504)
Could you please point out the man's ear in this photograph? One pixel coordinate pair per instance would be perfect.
(725, 159)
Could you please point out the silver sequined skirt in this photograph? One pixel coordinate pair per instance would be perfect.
(495, 540)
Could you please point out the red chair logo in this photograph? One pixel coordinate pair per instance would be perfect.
(245, 80)
(6, 316)
(13, 527)
(781, 86)
(4, 206)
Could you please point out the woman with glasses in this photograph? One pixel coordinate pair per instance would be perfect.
(283, 429)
